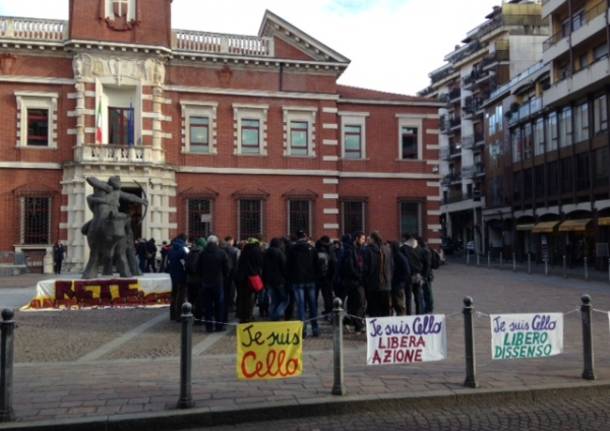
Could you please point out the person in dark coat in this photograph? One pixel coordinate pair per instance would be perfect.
(425, 254)
(214, 268)
(193, 278)
(59, 252)
(151, 255)
(176, 261)
(274, 276)
(400, 277)
(250, 263)
(302, 270)
(233, 254)
(378, 270)
(414, 287)
(351, 270)
(327, 265)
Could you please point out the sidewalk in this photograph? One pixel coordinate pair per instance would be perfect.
(106, 393)
(23, 280)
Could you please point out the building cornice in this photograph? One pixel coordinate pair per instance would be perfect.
(251, 93)
(391, 102)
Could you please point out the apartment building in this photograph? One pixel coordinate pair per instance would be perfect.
(508, 42)
(555, 198)
(224, 133)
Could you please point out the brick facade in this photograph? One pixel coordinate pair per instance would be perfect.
(163, 76)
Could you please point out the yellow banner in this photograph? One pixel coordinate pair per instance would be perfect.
(269, 350)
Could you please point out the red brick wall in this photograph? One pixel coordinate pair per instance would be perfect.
(285, 50)
(153, 28)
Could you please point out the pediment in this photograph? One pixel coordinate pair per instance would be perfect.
(295, 43)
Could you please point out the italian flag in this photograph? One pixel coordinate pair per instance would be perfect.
(98, 130)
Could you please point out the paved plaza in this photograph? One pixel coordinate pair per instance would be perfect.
(95, 363)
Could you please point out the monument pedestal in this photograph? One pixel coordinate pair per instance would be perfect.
(71, 291)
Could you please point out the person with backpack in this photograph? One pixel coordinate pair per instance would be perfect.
(378, 270)
(214, 268)
(274, 277)
(193, 278)
(303, 272)
(414, 285)
(327, 267)
(400, 277)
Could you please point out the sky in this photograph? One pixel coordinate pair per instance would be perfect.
(393, 44)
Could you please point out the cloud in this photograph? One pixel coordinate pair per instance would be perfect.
(393, 44)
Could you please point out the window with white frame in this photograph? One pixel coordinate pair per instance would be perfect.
(299, 132)
(299, 216)
(353, 135)
(410, 141)
(35, 220)
(251, 129)
(36, 120)
(199, 127)
(121, 9)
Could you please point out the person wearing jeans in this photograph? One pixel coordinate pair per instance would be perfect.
(303, 272)
(274, 276)
(307, 295)
(214, 268)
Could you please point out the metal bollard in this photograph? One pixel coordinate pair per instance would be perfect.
(514, 261)
(529, 263)
(468, 311)
(546, 266)
(186, 357)
(7, 327)
(489, 260)
(467, 257)
(338, 384)
(565, 266)
(586, 268)
(587, 337)
(478, 259)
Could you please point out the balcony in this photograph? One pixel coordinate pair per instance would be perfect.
(33, 29)
(455, 95)
(103, 153)
(468, 142)
(220, 43)
(479, 169)
(468, 172)
(444, 153)
(550, 6)
(455, 123)
(578, 82)
(445, 124)
(593, 21)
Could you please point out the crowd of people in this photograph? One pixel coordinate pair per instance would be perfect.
(286, 277)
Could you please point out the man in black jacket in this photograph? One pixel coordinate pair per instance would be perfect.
(303, 272)
(274, 276)
(425, 254)
(351, 270)
(379, 267)
(414, 287)
(327, 263)
(214, 265)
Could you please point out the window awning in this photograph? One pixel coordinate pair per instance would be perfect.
(545, 227)
(603, 221)
(525, 227)
(579, 225)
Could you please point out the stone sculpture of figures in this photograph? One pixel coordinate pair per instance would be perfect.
(109, 233)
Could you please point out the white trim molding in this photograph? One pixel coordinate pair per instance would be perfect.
(411, 123)
(354, 119)
(198, 109)
(301, 114)
(331, 211)
(253, 112)
(333, 196)
(36, 100)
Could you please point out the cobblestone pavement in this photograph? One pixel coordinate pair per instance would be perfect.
(104, 362)
(550, 415)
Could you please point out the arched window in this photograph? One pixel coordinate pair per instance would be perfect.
(121, 9)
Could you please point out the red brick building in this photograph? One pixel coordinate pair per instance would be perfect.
(230, 134)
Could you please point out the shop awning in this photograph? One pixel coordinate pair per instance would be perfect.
(579, 225)
(545, 227)
(525, 227)
(603, 221)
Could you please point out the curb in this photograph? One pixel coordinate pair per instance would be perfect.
(328, 405)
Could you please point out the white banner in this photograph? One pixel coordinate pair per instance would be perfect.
(406, 339)
(522, 336)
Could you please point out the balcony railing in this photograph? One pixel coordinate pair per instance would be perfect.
(468, 171)
(220, 43)
(586, 16)
(118, 153)
(468, 142)
(33, 29)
